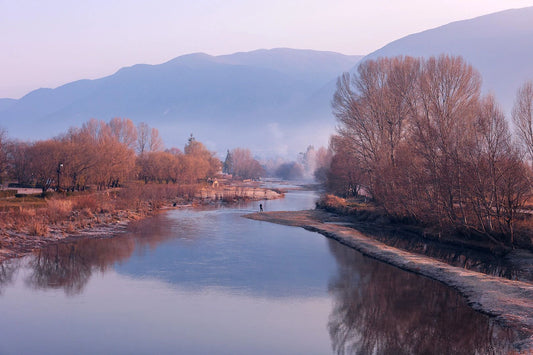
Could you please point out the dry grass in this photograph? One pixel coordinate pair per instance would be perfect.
(70, 227)
(21, 202)
(26, 212)
(58, 209)
(87, 202)
(86, 213)
(332, 203)
(38, 228)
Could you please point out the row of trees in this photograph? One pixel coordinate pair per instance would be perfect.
(239, 162)
(313, 163)
(105, 155)
(3, 152)
(309, 164)
(417, 136)
(172, 165)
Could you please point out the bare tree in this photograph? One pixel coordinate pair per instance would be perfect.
(148, 139)
(159, 167)
(81, 157)
(19, 161)
(3, 152)
(346, 175)
(199, 162)
(523, 116)
(244, 165)
(449, 90)
(98, 153)
(45, 157)
(155, 143)
(373, 108)
(498, 183)
(124, 130)
(322, 164)
(417, 135)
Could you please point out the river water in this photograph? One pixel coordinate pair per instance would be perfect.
(207, 281)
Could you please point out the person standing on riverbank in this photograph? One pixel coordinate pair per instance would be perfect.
(260, 207)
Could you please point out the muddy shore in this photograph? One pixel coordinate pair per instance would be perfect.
(509, 301)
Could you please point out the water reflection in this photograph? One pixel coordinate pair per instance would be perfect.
(7, 273)
(381, 309)
(218, 248)
(208, 247)
(516, 265)
(69, 266)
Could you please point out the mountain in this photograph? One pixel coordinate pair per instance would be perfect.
(5, 103)
(252, 99)
(272, 101)
(499, 46)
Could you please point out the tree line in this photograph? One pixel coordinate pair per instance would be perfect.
(418, 137)
(240, 162)
(104, 155)
(108, 154)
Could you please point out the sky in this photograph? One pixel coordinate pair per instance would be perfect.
(50, 43)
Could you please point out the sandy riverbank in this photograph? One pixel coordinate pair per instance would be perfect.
(510, 302)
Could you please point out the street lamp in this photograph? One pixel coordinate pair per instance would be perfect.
(59, 166)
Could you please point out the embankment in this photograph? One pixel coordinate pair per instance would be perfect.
(510, 302)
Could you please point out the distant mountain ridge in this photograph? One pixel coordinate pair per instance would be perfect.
(221, 99)
(273, 101)
(498, 45)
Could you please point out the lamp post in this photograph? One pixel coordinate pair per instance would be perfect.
(59, 166)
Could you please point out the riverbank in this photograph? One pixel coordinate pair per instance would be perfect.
(30, 223)
(510, 302)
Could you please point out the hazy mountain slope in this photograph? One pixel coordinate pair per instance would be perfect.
(307, 64)
(5, 103)
(499, 45)
(222, 100)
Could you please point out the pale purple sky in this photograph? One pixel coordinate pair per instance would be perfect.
(50, 43)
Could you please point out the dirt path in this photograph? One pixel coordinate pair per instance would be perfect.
(511, 302)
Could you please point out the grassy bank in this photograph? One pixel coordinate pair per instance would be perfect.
(370, 217)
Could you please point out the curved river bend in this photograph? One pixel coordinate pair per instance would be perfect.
(208, 281)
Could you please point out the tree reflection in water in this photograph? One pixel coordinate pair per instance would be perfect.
(379, 309)
(514, 265)
(7, 272)
(69, 266)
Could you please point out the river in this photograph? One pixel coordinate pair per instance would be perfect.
(207, 281)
